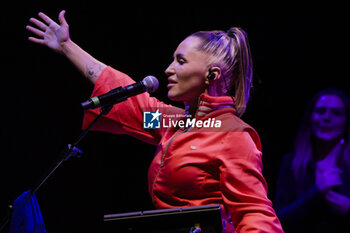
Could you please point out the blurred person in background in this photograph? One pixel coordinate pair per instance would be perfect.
(313, 188)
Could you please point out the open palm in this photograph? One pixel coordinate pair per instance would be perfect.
(49, 32)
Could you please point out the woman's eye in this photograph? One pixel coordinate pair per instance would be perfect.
(320, 110)
(181, 61)
(338, 111)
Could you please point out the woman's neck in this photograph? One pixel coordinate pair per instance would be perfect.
(323, 148)
(191, 107)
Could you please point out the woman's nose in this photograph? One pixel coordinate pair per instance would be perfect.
(170, 70)
(327, 115)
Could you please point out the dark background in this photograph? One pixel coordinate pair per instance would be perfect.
(297, 50)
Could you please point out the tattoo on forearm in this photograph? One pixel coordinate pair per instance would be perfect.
(94, 70)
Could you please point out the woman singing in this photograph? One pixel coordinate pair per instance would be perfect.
(194, 165)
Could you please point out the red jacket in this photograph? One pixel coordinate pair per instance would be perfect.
(198, 165)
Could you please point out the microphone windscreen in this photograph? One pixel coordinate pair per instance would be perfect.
(151, 83)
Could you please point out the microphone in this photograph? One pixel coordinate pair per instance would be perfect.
(119, 94)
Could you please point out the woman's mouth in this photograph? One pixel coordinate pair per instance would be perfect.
(172, 82)
(325, 129)
(170, 85)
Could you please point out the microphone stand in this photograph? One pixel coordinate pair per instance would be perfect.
(70, 151)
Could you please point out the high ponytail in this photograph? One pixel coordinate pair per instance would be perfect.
(230, 51)
(243, 69)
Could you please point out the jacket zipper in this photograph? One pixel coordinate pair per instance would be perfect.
(163, 158)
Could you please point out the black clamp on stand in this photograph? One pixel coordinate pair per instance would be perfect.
(70, 151)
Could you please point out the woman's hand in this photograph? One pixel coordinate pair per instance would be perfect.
(338, 203)
(328, 175)
(56, 37)
(50, 33)
(327, 179)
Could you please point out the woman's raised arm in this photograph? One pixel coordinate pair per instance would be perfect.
(56, 37)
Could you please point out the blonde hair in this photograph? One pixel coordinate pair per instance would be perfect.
(230, 51)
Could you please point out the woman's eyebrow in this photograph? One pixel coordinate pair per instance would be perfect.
(178, 55)
(330, 107)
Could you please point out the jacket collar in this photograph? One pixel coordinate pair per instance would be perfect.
(208, 104)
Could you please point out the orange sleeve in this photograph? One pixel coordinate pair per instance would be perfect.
(244, 188)
(125, 117)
